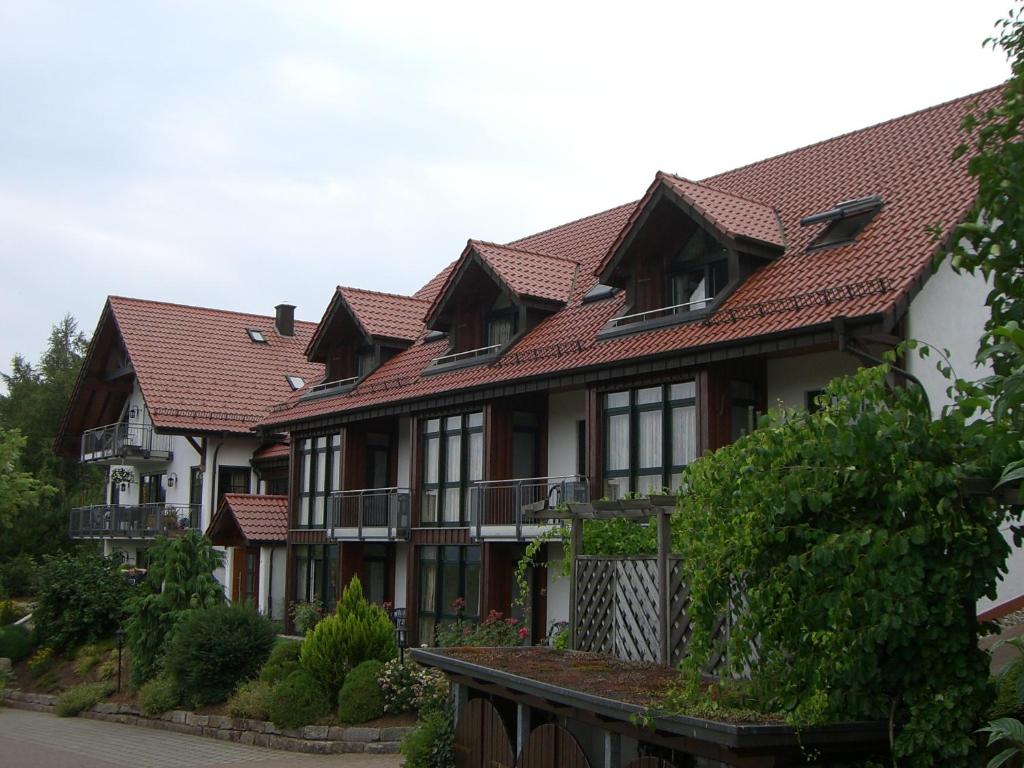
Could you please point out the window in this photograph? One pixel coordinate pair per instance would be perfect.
(453, 459)
(445, 574)
(744, 408)
(319, 476)
(256, 336)
(195, 485)
(295, 382)
(845, 220)
(152, 489)
(316, 574)
(278, 486)
(232, 480)
(500, 327)
(375, 573)
(364, 362)
(699, 273)
(650, 435)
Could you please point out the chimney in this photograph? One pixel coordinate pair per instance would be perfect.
(285, 319)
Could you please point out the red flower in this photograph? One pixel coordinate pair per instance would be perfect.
(511, 621)
(459, 603)
(523, 633)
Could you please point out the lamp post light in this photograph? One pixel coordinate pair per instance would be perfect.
(119, 634)
(401, 633)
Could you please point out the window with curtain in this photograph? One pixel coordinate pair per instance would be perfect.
(500, 328)
(699, 273)
(650, 436)
(453, 459)
(446, 574)
(319, 475)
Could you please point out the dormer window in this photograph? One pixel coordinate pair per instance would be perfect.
(365, 359)
(295, 382)
(698, 275)
(501, 323)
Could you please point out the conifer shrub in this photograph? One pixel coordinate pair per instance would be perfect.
(298, 700)
(214, 649)
(15, 643)
(358, 632)
(361, 698)
(284, 659)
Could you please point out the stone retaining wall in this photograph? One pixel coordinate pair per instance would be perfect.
(318, 739)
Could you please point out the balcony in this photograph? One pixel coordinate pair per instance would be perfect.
(500, 509)
(140, 521)
(369, 514)
(125, 440)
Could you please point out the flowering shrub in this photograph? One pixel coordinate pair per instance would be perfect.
(430, 691)
(41, 661)
(495, 630)
(397, 680)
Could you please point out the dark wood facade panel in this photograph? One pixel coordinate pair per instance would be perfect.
(551, 746)
(441, 536)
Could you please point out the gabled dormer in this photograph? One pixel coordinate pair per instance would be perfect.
(686, 247)
(493, 295)
(359, 331)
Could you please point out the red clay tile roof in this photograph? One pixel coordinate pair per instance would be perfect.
(199, 370)
(272, 451)
(380, 315)
(530, 274)
(260, 518)
(429, 291)
(906, 160)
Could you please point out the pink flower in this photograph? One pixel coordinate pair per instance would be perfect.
(511, 621)
(523, 633)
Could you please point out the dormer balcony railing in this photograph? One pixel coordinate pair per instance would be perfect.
(468, 356)
(500, 508)
(368, 514)
(137, 521)
(660, 313)
(124, 440)
(330, 387)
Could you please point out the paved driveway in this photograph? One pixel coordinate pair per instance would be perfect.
(38, 740)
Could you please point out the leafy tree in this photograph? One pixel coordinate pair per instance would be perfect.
(180, 578)
(848, 561)
(34, 405)
(19, 491)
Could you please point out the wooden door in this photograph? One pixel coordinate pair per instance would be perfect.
(245, 574)
(481, 739)
(551, 746)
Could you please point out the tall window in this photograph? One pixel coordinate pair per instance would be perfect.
(364, 361)
(316, 574)
(232, 480)
(446, 574)
(699, 273)
(319, 476)
(650, 435)
(453, 459)
(151, 489)
(195, 485)
(500, 327)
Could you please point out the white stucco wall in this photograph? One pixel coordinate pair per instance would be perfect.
(557, 586)
(789, 379)
(565, 409)
(948, 313)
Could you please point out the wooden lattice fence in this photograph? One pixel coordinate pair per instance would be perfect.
(617, 610)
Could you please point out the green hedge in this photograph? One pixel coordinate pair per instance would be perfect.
(298, 700)
(361, 698)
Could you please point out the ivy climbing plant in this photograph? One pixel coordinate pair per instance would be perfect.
(848, 561)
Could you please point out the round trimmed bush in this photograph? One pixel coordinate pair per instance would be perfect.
(298, 700)
(361, 698)
(158, 696)
(214, 649)
(15, 643)
(284, 659)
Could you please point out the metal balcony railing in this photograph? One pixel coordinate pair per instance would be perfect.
(503, 502)
(123, 440)
(654, 314)
(370, 508)
(469, 354)
(139, 521)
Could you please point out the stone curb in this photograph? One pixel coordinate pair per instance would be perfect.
(315, 739)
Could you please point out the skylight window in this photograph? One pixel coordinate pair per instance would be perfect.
(256, 336)
(845, 221)
(295, 382)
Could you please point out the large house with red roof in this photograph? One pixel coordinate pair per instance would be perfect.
(167, 398)
(594, 359)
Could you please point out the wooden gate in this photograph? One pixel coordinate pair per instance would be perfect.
(481, 739)
(551, 746)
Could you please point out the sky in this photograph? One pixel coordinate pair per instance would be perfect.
(241, 154)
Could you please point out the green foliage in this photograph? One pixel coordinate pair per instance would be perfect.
(41, 662)
(1010, 684)
(15, 643)
(82, 697)
(619, 537)
(214, 649)
(19, 491)
(358, 632)
(844, 553)
(361, 698)
(493, 631)
(88, 656)
(81, 599)
(298, 700)
(34, 405)
(251, 700)
(561, 642)
(19, 576)
(305, 616)
(284, 659)
(396, 681)
(432, 745)
(1008, 734)
(10, 612)
(159, 695)
(180, 578)
(430, 691)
